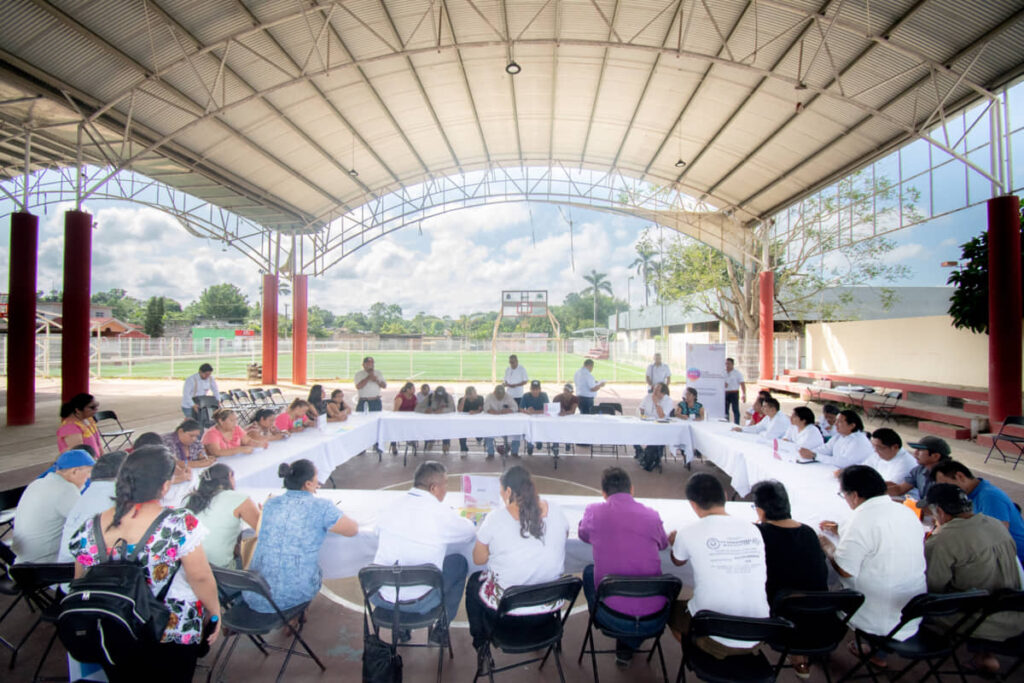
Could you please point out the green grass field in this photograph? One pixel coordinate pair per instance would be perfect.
(473, 366)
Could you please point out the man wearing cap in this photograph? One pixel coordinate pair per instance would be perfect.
(94, 500)
(929, 452)
(569, 402)
(45, 505)
(515, 379)
(969, 551)
(200, 384)
(532, 403)
(658, 373)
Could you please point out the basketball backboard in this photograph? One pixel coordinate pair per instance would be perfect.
(524, 303)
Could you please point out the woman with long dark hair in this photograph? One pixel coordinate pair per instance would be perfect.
(221, 509)
(337, 409)
(173, 553)
(316, 399)
(78, 426)
(522, 544)
(803, 431)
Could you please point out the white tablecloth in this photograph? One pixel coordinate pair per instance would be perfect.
(419, 426)
(610, 429)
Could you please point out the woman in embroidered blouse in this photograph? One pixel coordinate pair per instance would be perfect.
(262, 426)
(185, 445)
(78, 426)
(293, 529)
(689, 408)
(227, 438)
(143, 480)
(337, 409)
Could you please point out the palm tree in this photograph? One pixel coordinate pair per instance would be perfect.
(599, 282)
(644, 264)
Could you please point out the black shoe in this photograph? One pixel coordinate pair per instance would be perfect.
(623, 654)
(438, 635)
(403, 636)
(529, 449)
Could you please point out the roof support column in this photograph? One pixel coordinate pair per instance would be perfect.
(74, 343)
(269, 329)
(1004, 309)
(21, 320)
(766, 286)
(300, 320)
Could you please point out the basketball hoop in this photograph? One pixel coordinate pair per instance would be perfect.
(525, 309)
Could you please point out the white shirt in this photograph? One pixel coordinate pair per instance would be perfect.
(810, 438)
(585, 383)
(827, 430)
(372, 388)
(658, 373)
(97, 498)
(733, 379)
(771, 427)
(418, 530)
(729, 571)
(197, 386)
(515, 377)
(842, 451)
(882, 546)
(647, 406)
(895, 470)
(39, 519)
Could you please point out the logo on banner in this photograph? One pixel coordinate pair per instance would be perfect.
(693, 374)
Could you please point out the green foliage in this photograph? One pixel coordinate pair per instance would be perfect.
(598, 282)
(154, 321)
(385, 315)
(222, 302)
(123, 307)
(647, 266)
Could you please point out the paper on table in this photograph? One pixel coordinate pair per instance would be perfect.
(481, 491)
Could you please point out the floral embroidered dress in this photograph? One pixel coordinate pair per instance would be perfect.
(87, 428)
(179, 534)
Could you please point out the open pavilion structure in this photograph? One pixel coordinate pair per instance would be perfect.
(297, 132)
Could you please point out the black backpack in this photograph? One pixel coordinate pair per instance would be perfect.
(111, 610)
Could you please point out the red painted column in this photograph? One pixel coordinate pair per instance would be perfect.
(21, 320)
(269, 329)
(74, 343)
(300, 323)
(766, 286)
(1004, 309)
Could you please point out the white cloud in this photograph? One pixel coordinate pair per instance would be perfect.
(904, 252)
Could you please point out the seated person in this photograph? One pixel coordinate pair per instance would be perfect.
(533, 403)
(78, 426)
(568, 401)
(690, 408)
(627, 538)
(45, 505)
(521, 544)
(439, 401)
(986, 497)
(773, 425)
(802, 430)
(792, 553)
(417, 529)
(99, 496)
(657, 404)
(405, 401)
(724, 580)
(500, 403)
(827, 424)
(293, 529)
(890, 459)
(929, 452)
(185, 445)
(263, 427)
(969, 551)
(295, 417)
(473, 404)
(337, 409)
(850, 446)
(182, 472)
(423, 395)
(221, 509)
(880, 554)
(318, 406)
(756, 411)
(227, 438)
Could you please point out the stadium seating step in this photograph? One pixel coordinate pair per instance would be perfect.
(946, 431)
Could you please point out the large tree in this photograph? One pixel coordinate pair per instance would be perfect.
(222, 302)
(154, 321)
(123, 307)
(645, 263)
(598, 282)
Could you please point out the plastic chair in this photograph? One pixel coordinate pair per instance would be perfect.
(546, 634)
(33, 580)
(1002, 601)
(240, 619)
(375, 577)
(121, 437)
(740, 668)
(649, 626)
(819, 628)
(1018, 441)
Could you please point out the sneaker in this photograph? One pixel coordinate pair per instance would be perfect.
(437, 635)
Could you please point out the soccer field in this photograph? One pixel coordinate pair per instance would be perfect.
(396, 366)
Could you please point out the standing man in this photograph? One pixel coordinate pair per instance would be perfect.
(657, 373)
(515, 379)
(734, 384)
(587, 387)
(369, 382)
(199, 384)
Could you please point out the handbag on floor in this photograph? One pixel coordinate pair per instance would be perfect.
(381, 661)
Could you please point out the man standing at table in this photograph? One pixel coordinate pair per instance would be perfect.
(627, 537)
(657, 373)
(533, 403)
(587, 387)
(734, 384)
(515, 379)
(200, 384)
(369, 383)
(418, 530)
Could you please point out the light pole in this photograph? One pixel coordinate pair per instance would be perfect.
(629, 314)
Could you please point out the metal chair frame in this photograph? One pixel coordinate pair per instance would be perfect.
(122, 437)
(1018, 441)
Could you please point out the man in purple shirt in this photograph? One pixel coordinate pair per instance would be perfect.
(627, 537)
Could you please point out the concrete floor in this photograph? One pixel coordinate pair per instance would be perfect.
(335, 629)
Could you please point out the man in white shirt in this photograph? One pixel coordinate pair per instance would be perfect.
(890, 460)
(369, 383)
(587, 387)
(829, 414)
(418, 530)
(500, 403)
(200, 384)
(94, 500)
(850, 446)
(729, 570)
(734, 385)
(774, 424)
(657, 373)
(657, 405)
(45, 505)
(515, 379)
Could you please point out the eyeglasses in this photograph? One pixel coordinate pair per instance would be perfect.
(93, 406)
(841, 494)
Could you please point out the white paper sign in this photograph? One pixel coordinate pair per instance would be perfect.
(705, 372)
(481, 491)
(553, 409)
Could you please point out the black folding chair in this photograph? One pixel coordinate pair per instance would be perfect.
(544, 632)
(275, 394)
(647, 626)
(375, 577)
(239, 619)
(1016, 441)
(1001, 602)
(884, 410)
(207, 405)
(820, 618)
(244, 404)
(33, 581)
(8, 504)
(8, 587)
(928, 644)
(741, 668)
(113, 439)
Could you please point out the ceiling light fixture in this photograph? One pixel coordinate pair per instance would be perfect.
(680, 163)
(353, 172)
(512, 68)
